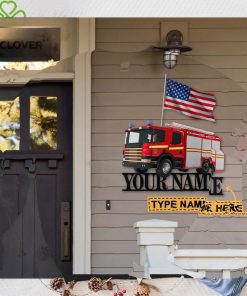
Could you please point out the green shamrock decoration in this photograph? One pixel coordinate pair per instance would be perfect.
(8, 9)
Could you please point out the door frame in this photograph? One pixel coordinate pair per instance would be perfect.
(82, 147)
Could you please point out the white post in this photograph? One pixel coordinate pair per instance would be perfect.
(163, 100)
(82, 148)
(155, 237)
(156, 241)
(226, 274)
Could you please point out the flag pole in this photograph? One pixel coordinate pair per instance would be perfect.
(163, 100)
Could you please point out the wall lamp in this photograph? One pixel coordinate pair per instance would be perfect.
(174, 48)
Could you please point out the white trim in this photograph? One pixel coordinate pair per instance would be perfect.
(19, 78)
(82, 147)
(224, 260)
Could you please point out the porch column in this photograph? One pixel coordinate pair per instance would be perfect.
(82, 147)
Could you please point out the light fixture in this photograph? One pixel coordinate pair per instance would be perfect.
(173, 48)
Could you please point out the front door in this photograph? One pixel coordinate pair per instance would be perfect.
(36, 180)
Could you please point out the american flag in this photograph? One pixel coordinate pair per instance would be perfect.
(182, 98)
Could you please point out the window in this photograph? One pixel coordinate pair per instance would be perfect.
(43, 123)
(126, 138)
(29, 48)
(159, 136)
(139, 136)
(134, 137)
(10, 125)
(176, 138)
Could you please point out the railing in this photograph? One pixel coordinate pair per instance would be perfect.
(158, 254)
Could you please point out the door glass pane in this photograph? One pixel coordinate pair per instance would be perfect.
(25, 66)
(10, 125)
(43, 123)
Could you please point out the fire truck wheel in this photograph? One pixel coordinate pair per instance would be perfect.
(205, 167)
(165, 167)
(140, 171)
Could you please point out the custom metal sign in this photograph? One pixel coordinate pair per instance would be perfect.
(176, 182)
(181, 147)
(29, 44)
(196, 204)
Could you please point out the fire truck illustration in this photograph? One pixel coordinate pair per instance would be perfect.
(174, 146)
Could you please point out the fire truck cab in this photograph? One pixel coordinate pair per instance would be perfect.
(173, 146)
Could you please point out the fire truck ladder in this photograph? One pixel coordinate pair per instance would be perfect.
(183, 126)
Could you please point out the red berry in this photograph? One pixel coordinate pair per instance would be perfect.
(115, 294)
(124, 291)
(120, 294)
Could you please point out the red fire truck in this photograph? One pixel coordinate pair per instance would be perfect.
(174, 146)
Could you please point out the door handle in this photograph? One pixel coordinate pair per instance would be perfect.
(65, 231)
(66, 242)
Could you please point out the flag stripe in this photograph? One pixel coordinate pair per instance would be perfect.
(190, 115)
(189, 108)
(202, 99)
(196, 95)
(210, 95)
(185, 109)
(201, 102)
(205, 95)
(188, 103)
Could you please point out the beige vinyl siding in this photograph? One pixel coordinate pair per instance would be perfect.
(127, 85)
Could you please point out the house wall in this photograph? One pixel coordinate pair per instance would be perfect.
(127, 86)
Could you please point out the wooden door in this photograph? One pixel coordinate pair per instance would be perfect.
(36, 180)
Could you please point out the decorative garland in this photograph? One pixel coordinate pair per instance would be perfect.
(97, 284)
(59, 285)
